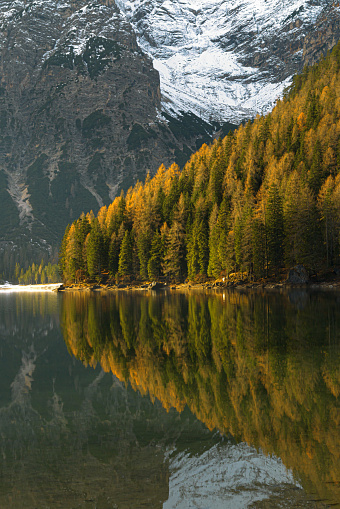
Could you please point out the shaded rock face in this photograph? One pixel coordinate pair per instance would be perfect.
(325, 35)
(298, 275)
(79, 115)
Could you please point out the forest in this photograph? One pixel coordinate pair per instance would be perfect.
(264, 198)
(34, 274)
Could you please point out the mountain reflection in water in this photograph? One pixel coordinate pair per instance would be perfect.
(263, 367)
(260, 372)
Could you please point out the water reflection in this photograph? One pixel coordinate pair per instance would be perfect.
(264, 368)
(75, 437)
(260, 371)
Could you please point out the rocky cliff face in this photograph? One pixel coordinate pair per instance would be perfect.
(324, 36)
(92, 96)
(80, 115)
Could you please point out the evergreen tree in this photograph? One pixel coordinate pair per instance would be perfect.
(247, 242)
(215, 188)
(95, 251)
(274, 230)
(17, 272)
(198, 252)
(43, 278)
(238, 242)
(329, 206)
(203, 249)
(62, 264)
(113, 257)
(174, 259)
(315, 177)
(125, 263)
(143, 247)
(302, 234)
(259, 247)
(156, 256)
(214, 265)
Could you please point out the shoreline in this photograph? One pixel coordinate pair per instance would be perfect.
(208, 286)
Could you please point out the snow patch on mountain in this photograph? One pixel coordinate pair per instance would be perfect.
(199, 48)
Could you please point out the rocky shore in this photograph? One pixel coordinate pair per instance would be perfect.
(206, 286)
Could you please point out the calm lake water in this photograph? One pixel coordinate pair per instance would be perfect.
(226, 400)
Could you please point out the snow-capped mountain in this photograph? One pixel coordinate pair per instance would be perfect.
(79, 115)
(226, 60)
(93, 95)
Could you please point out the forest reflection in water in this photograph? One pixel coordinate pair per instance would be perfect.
(257, 369)
(264, 367)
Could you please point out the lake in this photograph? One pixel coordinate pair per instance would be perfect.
(170, 400)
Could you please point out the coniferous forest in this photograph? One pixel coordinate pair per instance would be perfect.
(264, 198)
(43, 273)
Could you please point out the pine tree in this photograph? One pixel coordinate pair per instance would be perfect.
(62, 263)
(125, 256)
(95, 250)
(17, 272)
(238, 235)
(71, 254)
(113, 257)
(329, 207)
(247, 241)
(175, 254)
(143, 247)
(302, 234)
(274, 230)
(315, 176)
(43, 277)
(214, 265)
(215, 187)
(203, 248)
(156, 256)
(259, 247)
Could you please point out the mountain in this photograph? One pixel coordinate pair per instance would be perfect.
(229, 60)
(80, 117)
(95, 95)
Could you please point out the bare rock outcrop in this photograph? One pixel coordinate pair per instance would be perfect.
(298, 275)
